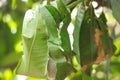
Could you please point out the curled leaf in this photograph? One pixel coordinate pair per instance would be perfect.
(35, 49)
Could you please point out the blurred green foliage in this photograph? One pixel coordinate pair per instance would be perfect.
(11, 18)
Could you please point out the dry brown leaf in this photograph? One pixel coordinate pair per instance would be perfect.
(100, 55)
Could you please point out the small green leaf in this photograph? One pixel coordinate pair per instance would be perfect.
(51, 25)
(78, 22)
(35, 58)
(62, 9)
(56, 53)
(65, 15)
(55, 14)
(115, 4)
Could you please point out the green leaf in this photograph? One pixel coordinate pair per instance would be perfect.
(63, 70)
(55, 14)
(65, 15)
(29, 32)
(78, 22)
(54, 41)
(115, 4)
(35, 58)
(107, 41)
(56, 53)
(51, 25)
(87, 44)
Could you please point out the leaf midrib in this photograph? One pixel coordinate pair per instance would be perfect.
(33, 41)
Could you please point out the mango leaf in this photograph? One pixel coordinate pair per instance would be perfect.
(95, 43)
(56, 53)
(87, 44)
(35, 58)
(115, 4)
(29, 32)
(51, 25)
(78, 22)
(54, 41)
(63, 70)
(55, 14)
(106, 40)
(65, 15)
